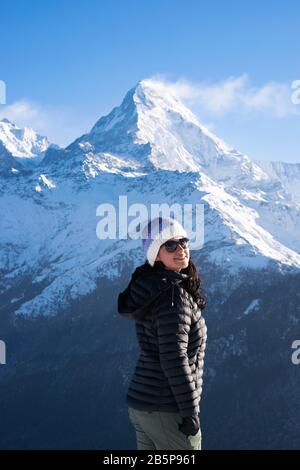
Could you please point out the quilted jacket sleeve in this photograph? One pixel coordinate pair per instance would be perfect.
(173, 326)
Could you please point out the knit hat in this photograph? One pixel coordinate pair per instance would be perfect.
(157, 232)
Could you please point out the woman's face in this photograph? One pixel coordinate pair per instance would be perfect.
(177, 260)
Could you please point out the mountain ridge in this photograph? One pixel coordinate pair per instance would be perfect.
(153, 149)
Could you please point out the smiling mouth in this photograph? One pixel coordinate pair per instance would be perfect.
(180, 259)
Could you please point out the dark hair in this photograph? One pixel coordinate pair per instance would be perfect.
(193, 284)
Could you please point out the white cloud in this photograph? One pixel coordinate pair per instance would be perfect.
(21, 111)
(209, 101)
(61, 126)
(235, 94)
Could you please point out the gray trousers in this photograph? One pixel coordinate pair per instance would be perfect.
(158, 430)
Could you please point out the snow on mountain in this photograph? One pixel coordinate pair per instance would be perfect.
(275, 196)
(287, 173)
(153, 130)
(154, 150)
(153, 126)
(7, 161)
(22, 143)
(244, 225)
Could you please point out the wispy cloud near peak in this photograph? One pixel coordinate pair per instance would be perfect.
(235, 94)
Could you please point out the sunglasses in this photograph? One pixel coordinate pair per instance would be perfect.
(171, 245)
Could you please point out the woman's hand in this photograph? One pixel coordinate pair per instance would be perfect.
(190, 425)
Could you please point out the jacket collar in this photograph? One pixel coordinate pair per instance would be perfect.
(154, 275)
(160, 268)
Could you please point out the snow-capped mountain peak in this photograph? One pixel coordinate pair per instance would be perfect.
(22, 142)
(153, 126)
(153, 149)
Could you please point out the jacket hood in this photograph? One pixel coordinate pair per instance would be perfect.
(146, 284)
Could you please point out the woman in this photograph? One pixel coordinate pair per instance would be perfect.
(164, 298)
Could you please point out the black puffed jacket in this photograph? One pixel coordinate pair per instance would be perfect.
(171, 333)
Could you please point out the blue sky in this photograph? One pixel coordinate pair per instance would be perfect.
(65, 64)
